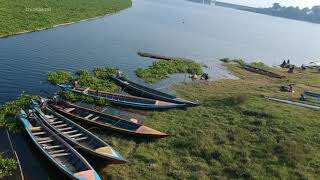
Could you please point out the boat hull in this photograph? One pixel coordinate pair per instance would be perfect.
(313, 94)
(76, 145)
(26, 126)
(146, 92)
(105, 126)
(128, 103)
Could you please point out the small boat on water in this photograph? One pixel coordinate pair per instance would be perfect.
(143, 91)
(77, 136)
(95, 118)
(262, 71)
(56, 150)
(312, 94)
(123, 100)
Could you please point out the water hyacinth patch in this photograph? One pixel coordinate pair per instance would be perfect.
(163, 69)
(60, 77)
(7, 166)
(10, 110)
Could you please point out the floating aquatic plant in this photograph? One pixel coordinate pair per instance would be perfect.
(163, 69)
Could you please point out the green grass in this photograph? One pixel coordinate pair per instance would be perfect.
(7, 166)
(163, 69)
(16, 17)
(235, 134)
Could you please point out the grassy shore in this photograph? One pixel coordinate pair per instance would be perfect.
(30, 15)
(235, 133)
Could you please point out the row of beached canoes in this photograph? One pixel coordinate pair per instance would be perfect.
(52, 126)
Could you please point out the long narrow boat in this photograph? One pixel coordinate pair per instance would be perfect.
(143, 91)
(312, 94)
(123, 100)
(77, 136)
(294, 103)
(57, 151)
(262, 71)
(95, 118)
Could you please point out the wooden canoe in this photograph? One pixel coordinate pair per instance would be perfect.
(95, 118)
(262, 71)
(77, 136)
(312, 94)
(56, 150)
(123, 100)
(143, 91)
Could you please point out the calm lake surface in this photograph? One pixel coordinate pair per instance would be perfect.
(170, 27)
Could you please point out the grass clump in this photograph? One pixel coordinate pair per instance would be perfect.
(235, 134)
(163, 69)
(60, 77)
(10, 110)
(29, 15)
(7, 166)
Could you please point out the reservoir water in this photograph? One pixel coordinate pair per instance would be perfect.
(170, 27)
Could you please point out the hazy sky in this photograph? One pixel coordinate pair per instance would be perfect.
(266, 3)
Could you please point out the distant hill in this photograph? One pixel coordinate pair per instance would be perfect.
(305, 14)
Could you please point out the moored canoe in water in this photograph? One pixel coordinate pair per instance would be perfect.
(95, 118)
(56, 150)
(143, 91)
(123, 100)
(77, 136)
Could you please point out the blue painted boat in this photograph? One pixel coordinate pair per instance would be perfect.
(312, 94)
(77, 136)
(123, 100)
(143, 91)
(56, 150)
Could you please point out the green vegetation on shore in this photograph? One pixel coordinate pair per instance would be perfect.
(30, 15)
(7, 166)
(163, 69)
(8, 113)
(235, 133)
